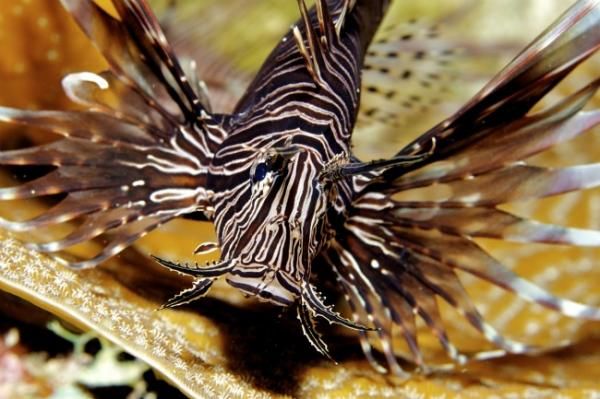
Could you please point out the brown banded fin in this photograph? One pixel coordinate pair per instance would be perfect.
(136, 157)
(411, 233)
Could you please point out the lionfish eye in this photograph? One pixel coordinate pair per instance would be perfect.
(260, 172)
(275, 163)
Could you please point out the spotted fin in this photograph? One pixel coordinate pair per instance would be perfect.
(406, 71)
(513, 92)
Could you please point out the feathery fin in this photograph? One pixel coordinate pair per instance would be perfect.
(137, 157)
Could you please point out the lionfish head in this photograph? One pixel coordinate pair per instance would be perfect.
(272, 222)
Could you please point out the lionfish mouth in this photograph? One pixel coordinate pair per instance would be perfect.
(265, 283)
(270, 284)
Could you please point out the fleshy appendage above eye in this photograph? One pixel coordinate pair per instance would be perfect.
(271, 163)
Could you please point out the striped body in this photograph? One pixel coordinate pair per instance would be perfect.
(274, 228)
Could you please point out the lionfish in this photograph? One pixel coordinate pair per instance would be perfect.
(291, 203)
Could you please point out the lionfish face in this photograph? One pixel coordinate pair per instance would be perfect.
(273, 222)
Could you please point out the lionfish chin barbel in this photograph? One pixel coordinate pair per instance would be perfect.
(278, 178)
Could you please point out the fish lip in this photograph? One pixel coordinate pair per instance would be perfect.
(266, 283)
(264, 294)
